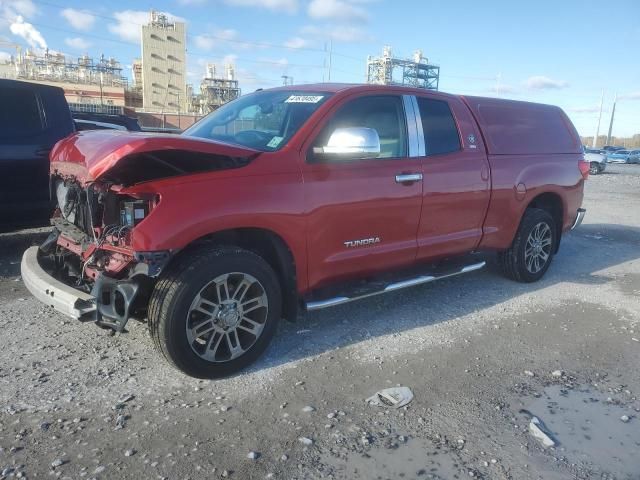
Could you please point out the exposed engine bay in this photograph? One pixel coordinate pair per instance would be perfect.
(90, 249)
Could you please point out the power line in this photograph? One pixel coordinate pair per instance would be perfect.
(202, 55)
(207, 35)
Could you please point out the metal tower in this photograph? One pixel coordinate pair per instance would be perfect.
(417, 72)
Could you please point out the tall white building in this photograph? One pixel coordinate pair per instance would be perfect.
(164, 65)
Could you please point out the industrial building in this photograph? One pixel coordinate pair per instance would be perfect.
(215, 91)
(164, 65)
(388, 70)
(88, 85)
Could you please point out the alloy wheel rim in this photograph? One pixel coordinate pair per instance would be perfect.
(538, 248)
(227, 317)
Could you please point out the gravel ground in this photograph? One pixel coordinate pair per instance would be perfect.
(481, 354)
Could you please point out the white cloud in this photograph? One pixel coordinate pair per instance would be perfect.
(296, 42)
(129, 24)
(630, 96)
(80, 44)
(79, 19)
(208, 42)
(192, 2)
(276, 62)
(504, 88)
(226, 34)
(341, 10)
(13, 8)
(540, 82)
(204, 42)
(10, 10)
(229, 59)
(288, 6)
(4, 57)
(343, 33)
(28, 32)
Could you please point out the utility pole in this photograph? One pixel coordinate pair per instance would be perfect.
(101, 96)
(613, 112)
(330, 58)
(595, 139)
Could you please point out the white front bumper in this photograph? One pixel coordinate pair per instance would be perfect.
(47, 289)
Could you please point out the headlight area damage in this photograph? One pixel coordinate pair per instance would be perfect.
(90, 249)
(88, 267)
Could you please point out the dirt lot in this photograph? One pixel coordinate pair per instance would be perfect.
(481, 354)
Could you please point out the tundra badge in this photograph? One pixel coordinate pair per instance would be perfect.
(362, 243)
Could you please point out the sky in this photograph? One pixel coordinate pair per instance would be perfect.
(562, 52)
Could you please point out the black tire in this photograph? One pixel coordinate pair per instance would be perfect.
(175, 292)
(513, 261)
(594, 168)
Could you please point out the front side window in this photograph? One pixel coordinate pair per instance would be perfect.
(384, 114)
(440, 131)
(264, 120)
(20, 113)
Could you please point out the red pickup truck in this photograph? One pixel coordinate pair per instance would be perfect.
(299, 198)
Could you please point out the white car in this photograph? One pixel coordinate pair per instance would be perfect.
(597, 161)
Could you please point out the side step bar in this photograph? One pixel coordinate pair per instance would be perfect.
(390, 287)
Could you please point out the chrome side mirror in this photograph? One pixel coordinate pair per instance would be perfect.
(351, 143)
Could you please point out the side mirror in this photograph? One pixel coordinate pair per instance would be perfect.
(351, 143)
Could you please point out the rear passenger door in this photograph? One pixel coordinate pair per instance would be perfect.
(456, 185)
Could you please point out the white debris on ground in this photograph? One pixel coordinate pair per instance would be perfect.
(537, 429)
(396, 397)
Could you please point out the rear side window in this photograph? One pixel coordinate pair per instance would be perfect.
(20, 113)
(439, 127)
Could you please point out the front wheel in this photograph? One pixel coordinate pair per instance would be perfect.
(215, 311)
(532, 249)
(594, 169)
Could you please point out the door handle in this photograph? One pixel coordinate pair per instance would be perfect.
(408, 178)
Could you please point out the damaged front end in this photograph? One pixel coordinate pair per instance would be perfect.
(88, 268)
(90, 249)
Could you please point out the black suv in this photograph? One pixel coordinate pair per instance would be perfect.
(33, 117)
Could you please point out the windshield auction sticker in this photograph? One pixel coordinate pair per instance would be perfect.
(304, 99)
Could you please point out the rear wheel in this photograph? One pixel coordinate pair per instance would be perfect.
(532, 249)
(594, 168)
(215, 312)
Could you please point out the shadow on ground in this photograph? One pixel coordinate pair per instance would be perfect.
(13, 244)
(583, 253)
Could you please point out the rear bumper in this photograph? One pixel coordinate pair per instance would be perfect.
(65, 299)
(579, 217)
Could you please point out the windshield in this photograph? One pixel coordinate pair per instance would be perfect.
(263, 120)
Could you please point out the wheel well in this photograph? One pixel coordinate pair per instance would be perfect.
(273, 249)
(552, 203)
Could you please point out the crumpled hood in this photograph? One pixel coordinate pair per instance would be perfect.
(90, 155)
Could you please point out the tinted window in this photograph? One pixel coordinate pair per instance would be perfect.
(20, 114)
(384, 114)
(440, 131)
(264, 120)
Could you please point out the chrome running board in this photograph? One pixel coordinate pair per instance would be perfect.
(378, 288)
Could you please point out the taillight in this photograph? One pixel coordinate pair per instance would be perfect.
(584, 168)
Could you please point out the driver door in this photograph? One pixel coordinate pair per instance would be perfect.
(362, 214)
